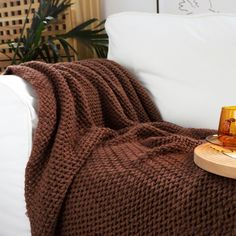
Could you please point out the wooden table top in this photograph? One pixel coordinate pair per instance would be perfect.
(216, 160)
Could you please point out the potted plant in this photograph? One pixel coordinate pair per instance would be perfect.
(31, 45)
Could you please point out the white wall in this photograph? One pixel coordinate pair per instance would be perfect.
(114, 6)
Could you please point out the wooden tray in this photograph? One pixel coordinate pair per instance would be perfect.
(215, 159)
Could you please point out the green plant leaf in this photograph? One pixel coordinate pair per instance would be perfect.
(45, 48)
(94, 39)
(72, 33)
(66, 48)
(15, 46)
(42, 56)
(52, 8)
(55, 51)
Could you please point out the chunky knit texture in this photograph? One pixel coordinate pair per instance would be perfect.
(105, 163)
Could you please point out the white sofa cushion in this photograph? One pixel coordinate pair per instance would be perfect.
(186, 62)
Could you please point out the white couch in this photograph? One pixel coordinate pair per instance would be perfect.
(186, 62)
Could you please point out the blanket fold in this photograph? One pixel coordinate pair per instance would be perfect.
(105, 163)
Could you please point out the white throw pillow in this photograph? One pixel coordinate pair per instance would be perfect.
(188, 63)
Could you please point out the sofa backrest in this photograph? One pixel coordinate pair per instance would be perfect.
(188, 63)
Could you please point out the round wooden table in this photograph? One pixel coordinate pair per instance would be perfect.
(216, 160)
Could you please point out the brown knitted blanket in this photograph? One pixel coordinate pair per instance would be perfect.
(105, 163)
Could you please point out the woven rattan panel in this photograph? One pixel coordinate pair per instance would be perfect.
(12, 17)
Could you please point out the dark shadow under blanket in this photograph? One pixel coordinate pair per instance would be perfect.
(105, 163)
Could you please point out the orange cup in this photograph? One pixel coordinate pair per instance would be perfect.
(227, 126)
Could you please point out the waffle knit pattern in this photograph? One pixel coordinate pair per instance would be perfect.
(105, 163)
